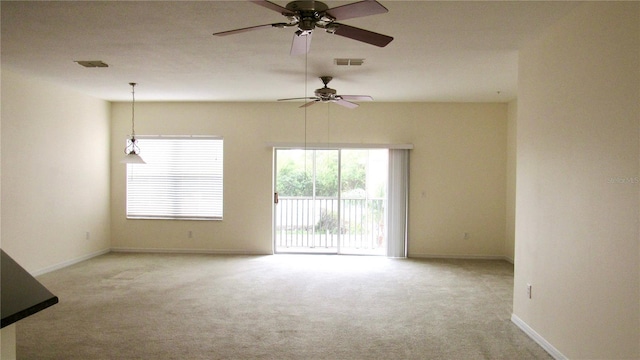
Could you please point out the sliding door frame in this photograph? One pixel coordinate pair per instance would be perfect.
(398, 225)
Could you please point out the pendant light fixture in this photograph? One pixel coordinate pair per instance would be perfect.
(132, 150)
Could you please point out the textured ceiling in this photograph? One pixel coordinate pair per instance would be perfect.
(442, 51)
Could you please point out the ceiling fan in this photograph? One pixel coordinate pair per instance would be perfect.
(327, 94)
(307, 15)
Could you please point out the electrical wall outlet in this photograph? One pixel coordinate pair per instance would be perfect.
(466, 236)
(87, 235)
(529, 291)
(190, 234)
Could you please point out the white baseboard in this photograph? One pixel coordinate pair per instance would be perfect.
(555, 353)
(461, 257)
(186, 251)
(64, 264)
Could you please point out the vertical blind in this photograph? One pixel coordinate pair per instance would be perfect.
(182, 179)
(398, 203)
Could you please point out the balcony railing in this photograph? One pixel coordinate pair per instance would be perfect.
(325, 224)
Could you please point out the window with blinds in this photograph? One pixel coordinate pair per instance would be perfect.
(182, 179)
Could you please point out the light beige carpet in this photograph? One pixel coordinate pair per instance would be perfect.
(160, 306)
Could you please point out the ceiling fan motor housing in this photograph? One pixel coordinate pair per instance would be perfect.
(305, 5)
(326, 93)
(310, 14)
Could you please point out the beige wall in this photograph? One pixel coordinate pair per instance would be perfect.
(510, 235)
(457, 170)
(577, 239)
(55, 173)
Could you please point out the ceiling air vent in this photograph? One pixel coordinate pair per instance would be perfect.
(349, 62)
(92, 63)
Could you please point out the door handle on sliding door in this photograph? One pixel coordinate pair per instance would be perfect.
(275, 197)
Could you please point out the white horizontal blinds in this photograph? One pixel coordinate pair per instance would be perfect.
(182, 179)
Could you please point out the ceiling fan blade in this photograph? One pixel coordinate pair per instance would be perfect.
(300, 98)
(309, 103)
(358, 9)
(271, 6)
(363, 35)
(347, 104)
(357, 97)
(301, 44)
(250, 28)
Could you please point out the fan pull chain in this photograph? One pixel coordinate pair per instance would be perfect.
(328, 124)
(306, 56)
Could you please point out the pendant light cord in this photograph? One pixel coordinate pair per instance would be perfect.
(328, 123)
(306, 56)
(133, 111)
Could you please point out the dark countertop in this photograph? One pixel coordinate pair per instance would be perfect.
(21, 295)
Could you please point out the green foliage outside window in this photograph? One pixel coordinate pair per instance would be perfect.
(293, 180)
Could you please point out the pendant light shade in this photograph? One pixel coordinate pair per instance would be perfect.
(132, 151)
(132, 158)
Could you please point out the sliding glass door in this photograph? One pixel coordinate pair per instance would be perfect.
(330, 201)
(306, 206)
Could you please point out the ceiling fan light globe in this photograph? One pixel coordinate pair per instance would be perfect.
(331, 28)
